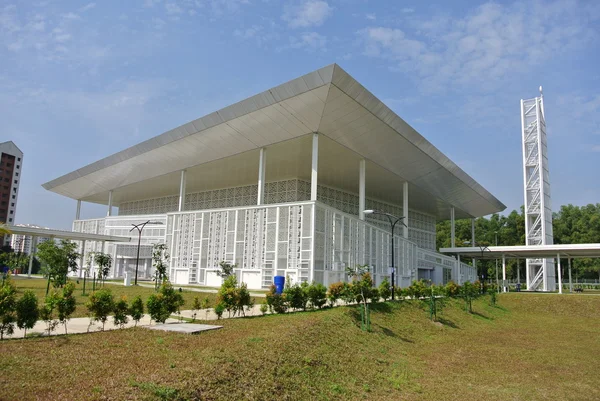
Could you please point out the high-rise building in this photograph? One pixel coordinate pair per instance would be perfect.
(11, 163)
(26, 243)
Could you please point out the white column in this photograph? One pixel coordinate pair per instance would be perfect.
(452, 228)
(405, 208)
(458, 269)
(32, 254)
(503, 273)
(315, 167)
(570, 281)
(559, 274)
(109, 213)
(262, 163)
(182, 191)
(361, 189)
(81, 258)
(78, 212)
(473, 243)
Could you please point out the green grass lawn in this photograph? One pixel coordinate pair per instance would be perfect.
(531, 347)
(39, 287)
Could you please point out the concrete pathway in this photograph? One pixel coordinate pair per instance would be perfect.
(188, 288)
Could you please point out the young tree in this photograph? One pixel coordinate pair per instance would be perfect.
(47, 312)
(335, 292)
(296, 296)
(205, 305)
(27, 311)
(196, 306)
(8, 299)
(362, 283)
(165, 303)
(385, 289)
(317, 294)
(275, 301)
(59, 260)
(160, 261)
(136, 310)
(469, 291)
(104, 263)
(228, 295)
(121, 309)
(226, 269)
(66, 304)
(101, 304)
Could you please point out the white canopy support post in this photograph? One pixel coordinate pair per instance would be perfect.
(182, 191)
(452, 228)
(78, 211)
(315, 167)
(32, 254)
(458, 269)
(262, 163)
(504, 289)
(405, 209)
(570, 279)
(518, 272)
(110, 200)
(473, 243)
(361, 189)
(559, 274)
(81, 258)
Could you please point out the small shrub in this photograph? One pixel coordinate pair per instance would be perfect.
(121, 309)
(296, 296)
(196, 306)
(452, 289)
(374, 295)
(27, 311)
(8, 300)
(227, 295)
(348, 295)
(66, 304)
(206, 306)
(317, 295)
(219, 309)
(335, 292)
(243, 298)
(418, 289)
(136, 310)
(277, 302)
(100, 304)
(385, 289)
(436, 301)
(264, 308)
(493, 293)
(469, 291)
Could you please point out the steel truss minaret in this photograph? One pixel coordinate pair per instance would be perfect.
(538, 210)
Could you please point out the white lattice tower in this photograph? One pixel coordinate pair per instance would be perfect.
(536, 181)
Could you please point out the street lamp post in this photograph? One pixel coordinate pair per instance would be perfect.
(140, 227)
(393, 221)
(497, 283)
(483, 247)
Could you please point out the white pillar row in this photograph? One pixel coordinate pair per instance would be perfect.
(559, 273)
(82, 258)
(262, 164)
(570, 280)
(110, 200)
(361, 189)
(78, 212)
(315, 167)
(452, 228)
(32, 254)
(182, 191)
(405, 208)
(504, 289)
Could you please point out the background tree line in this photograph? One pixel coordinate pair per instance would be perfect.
(571, 225)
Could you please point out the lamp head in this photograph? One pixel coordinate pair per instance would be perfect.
(368, 211)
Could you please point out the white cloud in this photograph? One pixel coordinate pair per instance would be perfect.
(489, 43)
(310, 41)
(87, 7)
(408, 10)
(371, 17)
(309, 13)
(173, 9)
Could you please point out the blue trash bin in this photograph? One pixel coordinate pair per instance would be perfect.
(279, 283)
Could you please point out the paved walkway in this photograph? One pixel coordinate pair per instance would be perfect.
(188, 288)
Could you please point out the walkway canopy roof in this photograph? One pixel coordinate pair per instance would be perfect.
(70, 235)
(530, 251)
(221, 146)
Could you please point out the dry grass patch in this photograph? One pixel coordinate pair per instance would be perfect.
(530, 348)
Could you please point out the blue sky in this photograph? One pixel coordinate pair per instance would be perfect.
(80, 81)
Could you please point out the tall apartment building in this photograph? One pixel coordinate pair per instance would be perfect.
(26, 243)
(11, 161)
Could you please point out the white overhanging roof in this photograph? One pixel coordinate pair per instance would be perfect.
(529, 251)
(327, 101)
(71, 235)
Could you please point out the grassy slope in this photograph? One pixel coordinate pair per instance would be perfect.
(534, 347)
(39, 287)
